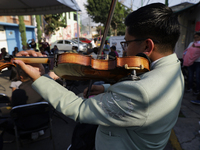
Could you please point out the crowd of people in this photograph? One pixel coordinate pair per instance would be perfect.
(43, 46)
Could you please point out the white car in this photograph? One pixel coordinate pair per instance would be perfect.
(66, 45)
(76, 41)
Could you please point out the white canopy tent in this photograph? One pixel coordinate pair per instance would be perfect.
(36, 7)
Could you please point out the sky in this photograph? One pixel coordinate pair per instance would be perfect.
(136, 5)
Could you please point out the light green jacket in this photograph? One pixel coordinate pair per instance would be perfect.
(132, 115)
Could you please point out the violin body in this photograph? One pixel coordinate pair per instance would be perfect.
(72, 66)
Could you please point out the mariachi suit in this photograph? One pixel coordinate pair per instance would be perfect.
(130, 114)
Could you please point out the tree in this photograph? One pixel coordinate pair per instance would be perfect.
(98, 10)
(100, 29)
(22, 30)
(119, 16)
(39, 32)
(54, 21)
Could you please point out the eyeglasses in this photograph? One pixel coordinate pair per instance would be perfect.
(124, 44)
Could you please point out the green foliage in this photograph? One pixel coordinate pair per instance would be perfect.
(118, 19)
(22, 30)
(98, 10)
(54, 21)
(98, 28)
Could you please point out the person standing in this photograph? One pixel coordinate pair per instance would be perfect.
(191, 59)
(15, 51)
(46, 46)
(32, 44)
(106, 48)
(54, 50)
(130, 114)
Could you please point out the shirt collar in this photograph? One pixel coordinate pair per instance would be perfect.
(152, 64)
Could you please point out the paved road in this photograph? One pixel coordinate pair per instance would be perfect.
(62, 131)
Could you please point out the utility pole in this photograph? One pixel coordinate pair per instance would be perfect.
(89, 27)
(77, 28)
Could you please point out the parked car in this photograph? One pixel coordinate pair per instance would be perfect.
(84, 40)
(76, 41)
(66, 45)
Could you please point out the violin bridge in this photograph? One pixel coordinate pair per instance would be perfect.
(127, 67)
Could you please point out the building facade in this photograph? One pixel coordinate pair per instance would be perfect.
(189, 19)
(73, 25)
(9, 32)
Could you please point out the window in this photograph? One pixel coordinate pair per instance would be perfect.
(82, 39)
(67, 42)
(75, 17)
(26, 18)
(60, 42)
(14, 17)
(69, 15)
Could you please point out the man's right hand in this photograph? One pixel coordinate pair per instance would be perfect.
(95, 90)
(33, 70)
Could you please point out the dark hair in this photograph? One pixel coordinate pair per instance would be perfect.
(95, 50)
(197, 33)
(3, 48)
(19, 97)
(113, 47)
(155, 21)
(14, 75)
(22, 73)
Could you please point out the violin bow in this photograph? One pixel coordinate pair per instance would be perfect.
(110, 15)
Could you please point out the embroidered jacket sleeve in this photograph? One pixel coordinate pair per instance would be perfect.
(121, 105)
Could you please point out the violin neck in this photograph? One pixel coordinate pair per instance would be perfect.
(40, 60)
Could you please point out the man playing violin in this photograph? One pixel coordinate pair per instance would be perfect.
(131, 114)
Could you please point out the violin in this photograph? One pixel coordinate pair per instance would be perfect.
(6, 64)
(73, 66)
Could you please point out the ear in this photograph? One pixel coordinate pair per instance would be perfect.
(149, 47)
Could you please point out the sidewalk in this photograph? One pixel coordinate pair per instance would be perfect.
(185, 135)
